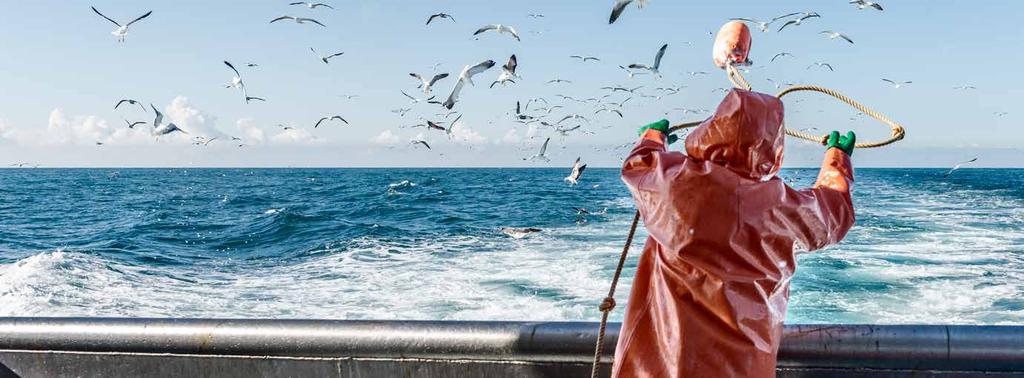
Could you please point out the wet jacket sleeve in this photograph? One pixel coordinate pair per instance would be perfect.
(821, 216)
(645, 172)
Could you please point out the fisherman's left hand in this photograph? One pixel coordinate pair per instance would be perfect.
(661, 126)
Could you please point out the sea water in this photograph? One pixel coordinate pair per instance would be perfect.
(425, 244)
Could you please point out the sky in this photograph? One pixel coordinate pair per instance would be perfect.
(61, 72)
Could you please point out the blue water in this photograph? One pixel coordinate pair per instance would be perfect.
(424, 244)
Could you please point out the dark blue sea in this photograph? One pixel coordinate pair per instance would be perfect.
(425, 244)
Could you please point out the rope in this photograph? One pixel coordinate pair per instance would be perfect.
(740, 82)
(609, 302)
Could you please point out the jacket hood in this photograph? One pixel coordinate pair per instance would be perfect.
(745, 135)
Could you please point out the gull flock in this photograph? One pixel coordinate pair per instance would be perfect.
(539, 113)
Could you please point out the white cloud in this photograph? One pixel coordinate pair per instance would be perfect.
(462, 134)
(294, 136)
(250, 133)
(510, 137)
(531, 131)
(192, 120)
(385, 138)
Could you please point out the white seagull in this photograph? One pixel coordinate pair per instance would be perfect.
(577, 171)
(763, 25)
(498, 28)
(585, 58)
(440, 15)
(657, 62)
(122, 30)
(158, 130)
(620, 5)
(312, 5)
(298, 20)
(896, 85)
(862, 4)
(542, 155)
(325, 58)
(414, 100)
(130, 101)
(833, 35)
(466, 76)
(427, 84)
(508, 72)
(800, 19)
(331, 118)
(957, 166)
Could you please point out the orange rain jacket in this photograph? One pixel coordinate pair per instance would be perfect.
(710, 292)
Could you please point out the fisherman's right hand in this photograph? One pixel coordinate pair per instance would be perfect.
(843, 142)
(661, 126)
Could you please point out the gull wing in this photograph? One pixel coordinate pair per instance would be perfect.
(784, 16)
(232, 68)
(790, 22)
(511, 65)
(108, 18)
(471, 71)
(322, 5)
(338, 117)
(436, 78)
(158, 118)
(486, 28)
(418, 77)
(620, 6)
(454, 96)
(140, 17)
(432, 17)
(544, 147)
(661, 53)
(319, 122)
(513, 31)
(301, 20)
(282, 18)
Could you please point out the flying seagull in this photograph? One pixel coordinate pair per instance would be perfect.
(833, 35)
(250, 98)
(800, 19)
(779, 55)
(159, 130)
(236, 82)
(466, 76)
(657, 62)
(440, 15)
(543, 151)
(556, 81)
(577, 171)
(325, 58)
(763, 25)
(311, 5)
(820, 64)
(122, 30)
(331, 118)
(585, 58)
(427, 84)
(298, 20)
(862, 4)
(130, 101)
(414, 100)
(423, 142)
(498, 28)
(896, 85)
(620, 5)
(957, 166)
(508, 72)
(131, 125)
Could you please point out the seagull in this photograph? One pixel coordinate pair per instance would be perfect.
(820, 64)
(298, 20)
(779, 55)
(763, 25)
(957, 166)
(896, 85)
(630, 73)
(556, 81)
(543, 151)
(311, 5)
(324, 58)
(862, 4)
(616, 111)
(695, 73)
(466, 76)
(158, 130)
(519, 115)
(622, 89)
(657, 62)
(440, 15)
(577, 171)
(800, 19)
(508, 72)
(401, 111)
(571, 116)
(518, 233)
(250, 98)
(427, 84)
(833, 35)
(620, 5)
(131, 125)
(498, 28)
(236, 82)
(965, 87)
(423, 142)
(122, 30)
(348, 97)
(585, 58)
(414, 100)
(252, 65)
(130, 101)
(331, 118)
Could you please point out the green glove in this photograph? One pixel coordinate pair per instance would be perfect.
(661, 126)
(844, 143)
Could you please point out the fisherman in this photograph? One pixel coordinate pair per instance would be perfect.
(710, 292)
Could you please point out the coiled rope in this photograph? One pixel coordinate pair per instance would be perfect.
(738, 81)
